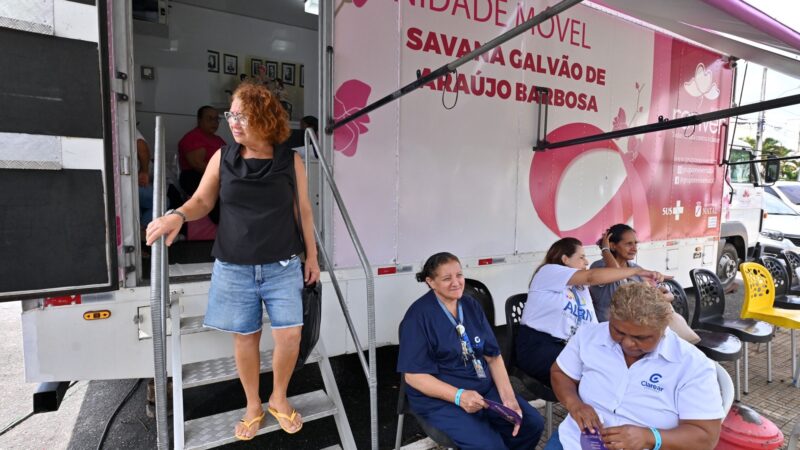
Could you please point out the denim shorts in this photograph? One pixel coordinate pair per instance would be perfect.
(237, 291)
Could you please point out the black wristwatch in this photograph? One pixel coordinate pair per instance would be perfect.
(175, 211)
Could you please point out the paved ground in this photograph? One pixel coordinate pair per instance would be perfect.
(88, 405)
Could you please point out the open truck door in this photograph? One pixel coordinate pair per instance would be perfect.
(58, 232)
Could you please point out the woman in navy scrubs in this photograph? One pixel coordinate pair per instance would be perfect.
(451, 363)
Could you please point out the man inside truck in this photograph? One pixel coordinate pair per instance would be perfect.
(196, 148)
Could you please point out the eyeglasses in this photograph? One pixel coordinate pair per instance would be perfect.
(236, 117)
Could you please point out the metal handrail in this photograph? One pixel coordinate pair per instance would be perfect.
(370, 368)
(159, 291)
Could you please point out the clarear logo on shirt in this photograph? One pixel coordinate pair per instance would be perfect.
(652, 384)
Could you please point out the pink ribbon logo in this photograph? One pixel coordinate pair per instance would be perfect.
(547, 170)
(351, 96)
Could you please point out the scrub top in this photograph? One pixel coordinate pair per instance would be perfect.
(430, 344)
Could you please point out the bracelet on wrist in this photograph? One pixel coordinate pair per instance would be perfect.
(657, 436)
(458, 397)
(605, 249)
(176, 212)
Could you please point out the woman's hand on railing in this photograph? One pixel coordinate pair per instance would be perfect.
(168, 225)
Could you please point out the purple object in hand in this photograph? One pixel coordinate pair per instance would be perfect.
(592, 441)
(504, 411)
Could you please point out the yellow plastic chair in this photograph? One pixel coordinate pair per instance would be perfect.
(759, 299)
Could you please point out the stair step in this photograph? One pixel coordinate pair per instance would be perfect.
(221, 369)
(216, 430)
(194, 324)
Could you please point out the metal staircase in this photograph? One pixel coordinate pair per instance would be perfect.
(215, 430)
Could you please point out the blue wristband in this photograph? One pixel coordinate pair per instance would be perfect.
(657, 435)
(458, 398)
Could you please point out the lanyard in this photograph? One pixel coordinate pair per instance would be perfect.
(467, 352)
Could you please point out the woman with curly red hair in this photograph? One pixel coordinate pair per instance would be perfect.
(257, 248)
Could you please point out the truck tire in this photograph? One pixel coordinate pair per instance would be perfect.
(727, 265)
(480, 292)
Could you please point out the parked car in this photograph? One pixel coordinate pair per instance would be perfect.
(788, 192)
(781, 226)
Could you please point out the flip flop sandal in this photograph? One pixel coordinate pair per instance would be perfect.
(279, 415)
(248, 424)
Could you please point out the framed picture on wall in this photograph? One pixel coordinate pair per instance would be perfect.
(287, 73)
(255, 67)
(272, 69)
(302, 76)
(231, 64)
(213, 61)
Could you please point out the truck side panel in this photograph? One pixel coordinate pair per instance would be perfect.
(471, 167)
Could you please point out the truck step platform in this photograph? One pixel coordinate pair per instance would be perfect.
(216, 430)
(222, 369)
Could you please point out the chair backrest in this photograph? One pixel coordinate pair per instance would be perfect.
(725, 387)
(514, 306)
(780, 276)
(759, 290)
(709, 296)
(792, 264)
(680, 303)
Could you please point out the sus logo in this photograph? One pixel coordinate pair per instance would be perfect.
(351, 96)
(702, 84)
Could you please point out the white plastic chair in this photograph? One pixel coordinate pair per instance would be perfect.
(725, 387)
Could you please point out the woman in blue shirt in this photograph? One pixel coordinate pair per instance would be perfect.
(451, 362)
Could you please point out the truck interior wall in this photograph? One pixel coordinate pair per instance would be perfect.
(178, 53)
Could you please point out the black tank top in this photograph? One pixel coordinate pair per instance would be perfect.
(256, 208)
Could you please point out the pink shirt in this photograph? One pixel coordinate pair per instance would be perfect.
(197, 139)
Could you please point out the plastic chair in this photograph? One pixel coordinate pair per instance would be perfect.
(725, 387)
(792, 260)
(716, 345)
(514, 306)
(435, 434)
(794, 438)
(709, 310)
(759, 299)
(780, 277)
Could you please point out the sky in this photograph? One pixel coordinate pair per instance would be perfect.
(782, 124)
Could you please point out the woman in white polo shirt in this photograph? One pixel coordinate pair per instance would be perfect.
(559, 303)
(636, 382)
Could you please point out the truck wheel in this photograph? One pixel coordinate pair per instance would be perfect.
(480, 292)
(727, 265)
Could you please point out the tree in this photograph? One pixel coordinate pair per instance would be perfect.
(772, 147)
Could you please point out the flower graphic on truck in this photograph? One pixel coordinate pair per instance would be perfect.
(702, 84)
(357, 3)
(351, 96)
(620, 122)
